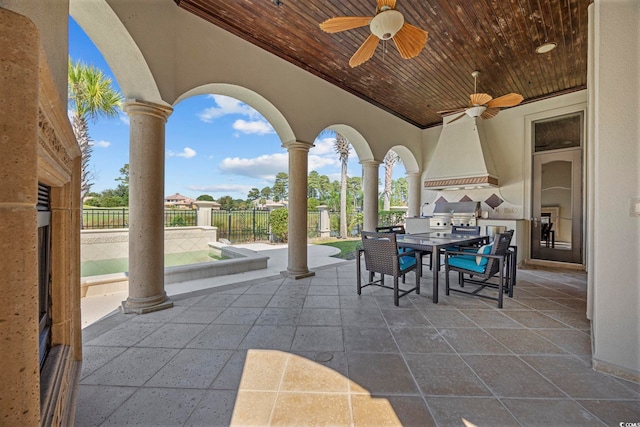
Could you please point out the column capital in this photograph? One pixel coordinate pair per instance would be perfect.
(412, 174)
(370, 163)
(134, 106)
(297, 145)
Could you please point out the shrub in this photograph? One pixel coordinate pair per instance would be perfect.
(390, 218)
(178, 221)
(279, 225)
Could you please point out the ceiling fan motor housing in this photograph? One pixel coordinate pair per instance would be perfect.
(386, 24)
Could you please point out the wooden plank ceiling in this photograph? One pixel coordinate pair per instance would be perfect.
(496, 37)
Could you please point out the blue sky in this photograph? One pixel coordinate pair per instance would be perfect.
(214, 144)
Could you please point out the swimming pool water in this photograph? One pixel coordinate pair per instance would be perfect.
(121, 265)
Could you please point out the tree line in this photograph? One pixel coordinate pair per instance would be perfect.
(320, 191)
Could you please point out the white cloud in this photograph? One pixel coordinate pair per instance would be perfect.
(260, 127)
(323, 146)
(263, 167)
(187, 153)
(101, 144)
(225, 106)
(317, 162)
(124, 118)
(222, 188)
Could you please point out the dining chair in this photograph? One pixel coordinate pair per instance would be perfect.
(491, 262)
(381, 256)
(399, 229)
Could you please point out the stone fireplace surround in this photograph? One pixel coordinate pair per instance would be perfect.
(37, 147)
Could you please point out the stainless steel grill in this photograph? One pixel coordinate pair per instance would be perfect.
(454, 213)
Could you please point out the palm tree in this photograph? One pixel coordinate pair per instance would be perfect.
(389, 162)
(342, 147)
(90, 96)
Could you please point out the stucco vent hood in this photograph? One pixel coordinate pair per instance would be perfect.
(461, 159)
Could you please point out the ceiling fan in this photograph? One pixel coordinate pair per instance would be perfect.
(483, 105)
(387, 24)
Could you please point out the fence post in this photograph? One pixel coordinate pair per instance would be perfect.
(124, 223)
(203, 212)
(324, 221)
(254, 224)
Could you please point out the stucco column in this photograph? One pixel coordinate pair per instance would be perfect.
(297, 257)
(146, 207)
(413, 179)
(203, 215)
(325, 221)
(370, 202)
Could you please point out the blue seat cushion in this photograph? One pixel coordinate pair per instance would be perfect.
(466, 262)
(406, 262)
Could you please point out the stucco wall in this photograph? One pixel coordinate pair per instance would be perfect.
(616, 151)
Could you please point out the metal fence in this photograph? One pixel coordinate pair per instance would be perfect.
(242, 226)
(235, 226)
(101, 218)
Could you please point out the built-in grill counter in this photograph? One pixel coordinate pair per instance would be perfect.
(519, 227)
(417, 224)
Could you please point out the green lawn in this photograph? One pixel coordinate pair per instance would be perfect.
(347, 247)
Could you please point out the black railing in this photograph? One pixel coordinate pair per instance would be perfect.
(180, 218)
(235, 226)
(242, 226)
(102, 218)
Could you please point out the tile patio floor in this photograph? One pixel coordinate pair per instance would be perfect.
(275, 351)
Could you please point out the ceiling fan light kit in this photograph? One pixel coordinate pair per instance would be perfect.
(475, 111)
(386, 24)
(546, 47)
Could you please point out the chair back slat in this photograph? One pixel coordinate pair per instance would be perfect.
(501, 244)
(378, 250)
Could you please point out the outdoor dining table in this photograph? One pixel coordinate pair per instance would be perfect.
(434, 242)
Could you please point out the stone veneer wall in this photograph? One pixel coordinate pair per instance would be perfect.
(36, 146)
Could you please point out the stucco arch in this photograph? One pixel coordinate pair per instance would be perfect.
(121, 52)
(355, 138)
(408, 159)
(251, 98)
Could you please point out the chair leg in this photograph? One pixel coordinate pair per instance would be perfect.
(446, 281)
(501, 282)
(396, 293)
(358, 274)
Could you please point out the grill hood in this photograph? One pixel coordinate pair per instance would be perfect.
(461, 159)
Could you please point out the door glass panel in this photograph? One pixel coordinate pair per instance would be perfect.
(555, 209)
(558, 132)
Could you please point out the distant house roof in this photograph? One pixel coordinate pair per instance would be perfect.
(178, 199)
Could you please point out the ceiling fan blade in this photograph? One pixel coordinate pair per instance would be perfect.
(381, 3)
(457, 118)
(490, 113)
(508, 100)
(479, 99)
(365, 52)
(410, 40)
(343, 23)
(454, 110)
